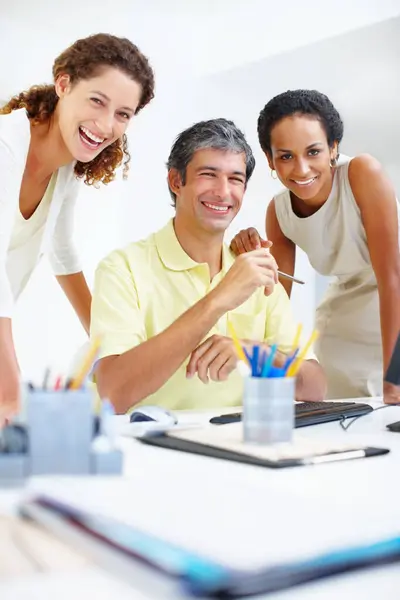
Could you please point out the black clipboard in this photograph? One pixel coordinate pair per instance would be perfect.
(173, 441)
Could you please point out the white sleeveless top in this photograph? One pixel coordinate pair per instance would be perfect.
(350, 345)
(27, 233)
(50, 229)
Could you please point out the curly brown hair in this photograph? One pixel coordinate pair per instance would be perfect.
(83, 60)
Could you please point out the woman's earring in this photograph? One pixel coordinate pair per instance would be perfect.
(332, 163)
(272, 174)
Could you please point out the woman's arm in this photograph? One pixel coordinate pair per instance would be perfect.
(77, 291)
(64, 258)
(376, 200)
(10, 183)
(9, 373)
(282, 249)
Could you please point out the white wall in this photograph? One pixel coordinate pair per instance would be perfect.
(188, 43)
(204, 37)
(359, 71)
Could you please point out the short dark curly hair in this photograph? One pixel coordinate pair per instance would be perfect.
(301, 102)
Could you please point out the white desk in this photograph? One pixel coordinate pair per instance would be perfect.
(369, 487)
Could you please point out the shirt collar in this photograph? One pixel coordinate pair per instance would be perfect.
(173, 255)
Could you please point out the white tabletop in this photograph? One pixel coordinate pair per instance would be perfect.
(231, 498)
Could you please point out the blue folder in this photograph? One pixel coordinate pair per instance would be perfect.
(202, 577)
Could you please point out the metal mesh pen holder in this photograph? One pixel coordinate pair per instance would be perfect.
(268, 410)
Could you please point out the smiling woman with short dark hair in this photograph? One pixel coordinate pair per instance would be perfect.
(343, 213)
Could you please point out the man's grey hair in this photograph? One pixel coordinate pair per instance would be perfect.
(218, 134)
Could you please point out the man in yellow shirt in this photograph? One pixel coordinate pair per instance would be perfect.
(161, 305)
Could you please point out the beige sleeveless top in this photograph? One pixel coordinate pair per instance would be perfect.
(349, 347)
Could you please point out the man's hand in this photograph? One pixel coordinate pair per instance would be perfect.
(213, 359)
(391, 393)
(249, 271)
(216, 358)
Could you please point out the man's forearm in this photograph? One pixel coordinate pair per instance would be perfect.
(141, 371)
(311, 382)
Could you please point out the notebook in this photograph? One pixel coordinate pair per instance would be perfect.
(194, 573)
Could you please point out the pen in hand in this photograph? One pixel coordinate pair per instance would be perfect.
(286, 276)
(267, 244)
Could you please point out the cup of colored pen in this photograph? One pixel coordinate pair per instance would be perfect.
(268, 399)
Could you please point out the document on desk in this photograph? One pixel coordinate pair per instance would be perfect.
(226, 443)
(210, 570)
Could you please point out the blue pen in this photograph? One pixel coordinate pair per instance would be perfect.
(275, 372)
(264, 357)
(254, 361)
(269, 361)
(247, 354)
(289, 361)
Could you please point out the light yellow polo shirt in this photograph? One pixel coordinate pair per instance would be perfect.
(140, 290)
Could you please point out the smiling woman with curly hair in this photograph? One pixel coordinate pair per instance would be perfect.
(52, 136)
